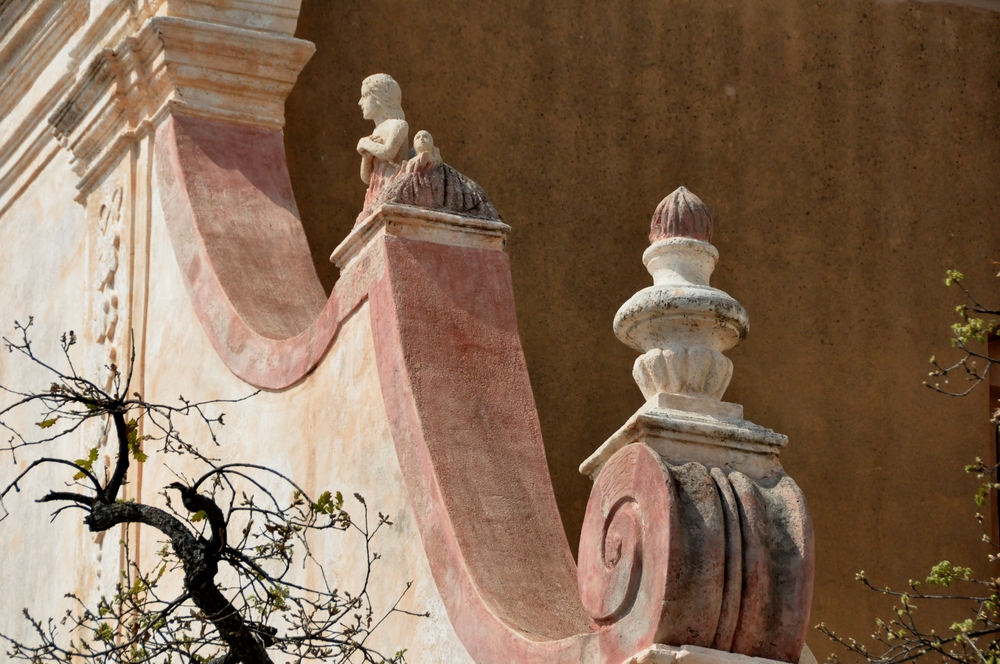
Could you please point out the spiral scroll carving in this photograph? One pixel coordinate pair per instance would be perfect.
(685, 554)
(652, 548)
(618, 564)
(613, 570)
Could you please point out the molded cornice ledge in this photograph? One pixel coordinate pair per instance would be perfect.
(210, 79)
(32, 33)
(176, 65)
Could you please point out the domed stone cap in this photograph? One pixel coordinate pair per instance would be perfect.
(681, 214)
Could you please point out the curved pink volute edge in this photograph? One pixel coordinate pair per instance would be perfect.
(466, 431)
(234, 226)
(231, 217)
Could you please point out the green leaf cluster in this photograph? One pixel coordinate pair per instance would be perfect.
(135, 441)
(87, 464)
(104, 633)
(328, 503)
(971, 329)
(944, 574)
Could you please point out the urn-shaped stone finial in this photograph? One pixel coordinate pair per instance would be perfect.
(680, 323)
(681, 214)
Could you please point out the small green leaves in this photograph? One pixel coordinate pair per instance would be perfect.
(944, 573)
(983, 492)
(135, 441)
(964, 626)
(328, 503)
(277, 596)
(45, 424)
(974, 329)
(954, 277)
(87, 464)
(104, 633)
(200, 515)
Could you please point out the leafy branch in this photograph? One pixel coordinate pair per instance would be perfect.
(237, 541)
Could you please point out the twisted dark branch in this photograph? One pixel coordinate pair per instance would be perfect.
(121, 464)
(200, 570)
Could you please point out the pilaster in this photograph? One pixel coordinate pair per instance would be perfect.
(95, 78)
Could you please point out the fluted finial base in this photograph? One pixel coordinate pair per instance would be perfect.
(676, 369)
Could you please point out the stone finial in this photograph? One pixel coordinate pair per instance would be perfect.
(681, 214)
(681, 324)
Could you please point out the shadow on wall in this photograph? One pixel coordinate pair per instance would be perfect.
(848, 151)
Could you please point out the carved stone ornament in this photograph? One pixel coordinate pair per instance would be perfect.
(415, 177)
(681, 214)
(682, 324)
(105, 317)
(690, 502)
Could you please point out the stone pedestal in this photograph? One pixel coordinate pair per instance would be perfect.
(691, 513)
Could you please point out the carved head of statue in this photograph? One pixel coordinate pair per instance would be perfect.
(381, 95)
(423, 142)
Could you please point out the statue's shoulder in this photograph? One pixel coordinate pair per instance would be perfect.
(397, 125)
(391, 131)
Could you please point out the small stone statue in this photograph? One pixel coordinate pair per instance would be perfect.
(427, 156)
(382, 153)
(397, 175)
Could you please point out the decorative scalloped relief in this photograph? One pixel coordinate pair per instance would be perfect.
(105, 316)
(681, 214)
(683, 370)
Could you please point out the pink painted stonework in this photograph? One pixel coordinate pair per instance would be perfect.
(234, 226)
(440, 187)
(728, 558)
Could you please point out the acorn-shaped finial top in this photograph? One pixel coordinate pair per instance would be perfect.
(681, 214)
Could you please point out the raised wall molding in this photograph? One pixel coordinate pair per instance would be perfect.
(130, 64)
(181, 66)
(106, 300)
(29, 45)
(32, 33)
(279, 16)
(30, 146)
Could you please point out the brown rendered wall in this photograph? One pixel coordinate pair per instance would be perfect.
(849, 152)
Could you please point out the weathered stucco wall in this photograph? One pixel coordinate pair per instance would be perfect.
(322, 432)
(849, 152)
(42, 561)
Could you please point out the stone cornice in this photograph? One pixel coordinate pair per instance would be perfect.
(181, 66)
(34, 33)
(277, 16)
(30, 145)
(420, 224)
(26, 48)
(117, 20)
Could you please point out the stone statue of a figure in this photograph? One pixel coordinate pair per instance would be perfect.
(382, 153)
(397, 175)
